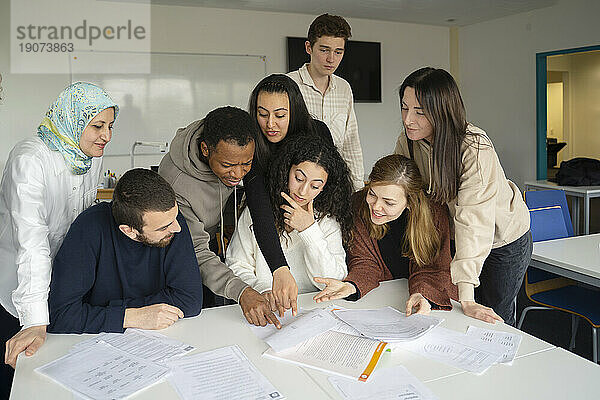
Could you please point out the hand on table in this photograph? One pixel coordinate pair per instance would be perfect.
(257, 308)
(478, 311)
(334, 289)
(28, 340)
(418, 303)
(295, 216)
(156, 316)
(285, 291)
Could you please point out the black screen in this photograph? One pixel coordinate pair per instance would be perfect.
(361, 66)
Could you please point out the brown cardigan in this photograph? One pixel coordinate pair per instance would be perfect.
(367, 268)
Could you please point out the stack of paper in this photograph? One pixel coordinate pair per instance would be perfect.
(151, 346)
(335, 352)
(394, 383)
(457, 349)
(388, 324)
(295, 330)
(224, 373)
(101, 371)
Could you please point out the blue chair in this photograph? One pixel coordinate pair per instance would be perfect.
(550, 219)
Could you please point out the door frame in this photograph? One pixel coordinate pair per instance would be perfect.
(541, 104)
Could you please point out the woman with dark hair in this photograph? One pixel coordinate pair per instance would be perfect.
(277, 106)
(310, 189)
(398, 233)
(491, 220)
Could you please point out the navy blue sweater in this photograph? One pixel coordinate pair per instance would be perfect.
(98, 272)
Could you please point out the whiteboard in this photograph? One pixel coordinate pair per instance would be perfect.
(180, 88)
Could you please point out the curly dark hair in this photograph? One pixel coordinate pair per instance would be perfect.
(328, 25)
(333, 201)
(228, 124)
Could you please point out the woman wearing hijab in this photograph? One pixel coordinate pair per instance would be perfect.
(47, 181)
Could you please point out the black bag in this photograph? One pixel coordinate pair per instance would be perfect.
(579, 172)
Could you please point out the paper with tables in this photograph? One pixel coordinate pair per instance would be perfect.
(101, 371)
(394, 383)
(335, 352)
(151, 346)
(388, 324)
(462, 351)
(510, 342)
(221, 374)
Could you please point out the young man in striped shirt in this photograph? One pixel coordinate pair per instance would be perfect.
(328, 97)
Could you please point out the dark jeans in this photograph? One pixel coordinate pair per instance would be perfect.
(502, 275)
(9, 326)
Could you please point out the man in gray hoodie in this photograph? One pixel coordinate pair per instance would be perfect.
(206, 162)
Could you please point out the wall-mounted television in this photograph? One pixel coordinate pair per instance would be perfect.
(361, 66)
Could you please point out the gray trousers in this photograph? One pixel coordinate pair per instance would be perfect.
(502, 275)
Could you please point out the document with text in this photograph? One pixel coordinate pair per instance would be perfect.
(394, 383)
(151, 346)
(388, 324)
(297, 329)
(509, 341)
(221, 374)
(335, 352)
(456, 349)
(101, 371)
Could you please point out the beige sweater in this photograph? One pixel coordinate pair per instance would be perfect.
(489, 211)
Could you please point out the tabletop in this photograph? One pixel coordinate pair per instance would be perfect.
(544, 184)
(224, 326)
(580, 254)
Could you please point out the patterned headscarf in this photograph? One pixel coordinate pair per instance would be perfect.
(67, 118)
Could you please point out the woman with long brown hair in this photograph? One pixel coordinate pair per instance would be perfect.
(398, 233)
(458, 160)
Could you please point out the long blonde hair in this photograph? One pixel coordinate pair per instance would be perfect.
(422, 241)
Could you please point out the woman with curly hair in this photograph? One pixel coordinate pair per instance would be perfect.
(310, 190)
(398, 233)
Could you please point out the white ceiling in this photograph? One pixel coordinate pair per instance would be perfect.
(431, 12)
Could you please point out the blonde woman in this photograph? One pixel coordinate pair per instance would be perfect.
(397, 233)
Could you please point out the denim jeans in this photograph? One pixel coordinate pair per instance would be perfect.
(502, 275)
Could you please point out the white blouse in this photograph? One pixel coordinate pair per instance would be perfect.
(39, 199)
(316, 251)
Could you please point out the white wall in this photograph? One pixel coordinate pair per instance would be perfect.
(497, 73)
(405, 47)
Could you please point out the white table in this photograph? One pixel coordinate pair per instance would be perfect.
(583, 192)
(223, 326)
(576, 257)
(550, 374)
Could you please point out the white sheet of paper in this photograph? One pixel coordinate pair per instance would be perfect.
(334, 352)
(509, 341)
(301, 328)
(394, 383)
(221, 374)
(388, 323)
(101, 371)
(456, 349)
(151, 346)
(262, 332)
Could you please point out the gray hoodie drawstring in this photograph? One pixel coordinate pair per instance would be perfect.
(234, 213)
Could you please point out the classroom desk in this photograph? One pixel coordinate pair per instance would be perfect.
(550, 374)
(576, 257)
(223, 326)
(584, 192)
